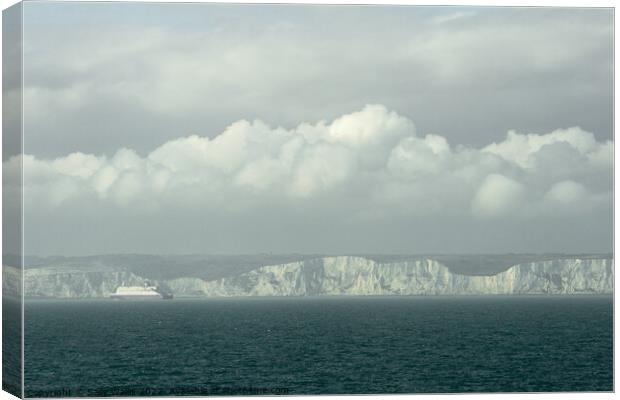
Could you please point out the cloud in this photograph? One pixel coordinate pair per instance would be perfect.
(566, 192)
(101, 79)
(131, 143)
(521, 149)
(497, 196)
(366, 159)
(441, 19)
(365, 181)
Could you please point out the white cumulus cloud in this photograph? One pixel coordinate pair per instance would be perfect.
(369, 162)
(497, 196)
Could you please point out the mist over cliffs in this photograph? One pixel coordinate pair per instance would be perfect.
(334, 276)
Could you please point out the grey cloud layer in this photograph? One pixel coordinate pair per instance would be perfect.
(362, 169)
(467, 73)
(128, 112)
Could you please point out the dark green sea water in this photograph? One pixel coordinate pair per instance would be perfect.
(321, 345)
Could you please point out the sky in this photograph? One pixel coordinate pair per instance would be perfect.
(197, 128)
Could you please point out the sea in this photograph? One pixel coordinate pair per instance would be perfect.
(323, 345)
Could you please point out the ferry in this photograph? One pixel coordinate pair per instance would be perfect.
(140, 293)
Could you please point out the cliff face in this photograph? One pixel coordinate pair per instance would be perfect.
(355, 276)
(71, 283)
(360, 276)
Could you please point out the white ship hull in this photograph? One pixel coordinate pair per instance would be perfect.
(135, 297)
(139, 293)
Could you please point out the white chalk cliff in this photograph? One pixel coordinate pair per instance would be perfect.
(346, 275)
(359, 277)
